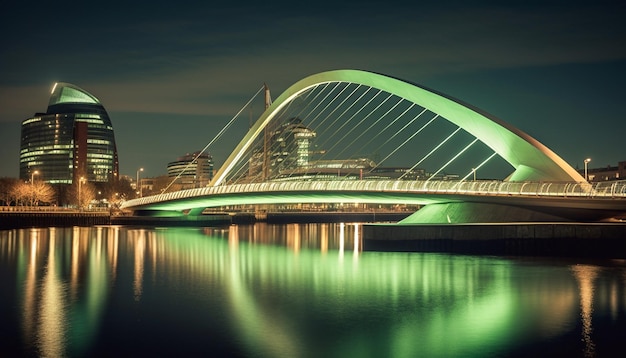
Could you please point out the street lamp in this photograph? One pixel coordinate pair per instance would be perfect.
(32, 175)
(474, 171)
(80, 188)
(586, 163)
(32, 186)
(138, 183)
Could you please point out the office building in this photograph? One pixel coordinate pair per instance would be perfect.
(73, 139)
(193, 170)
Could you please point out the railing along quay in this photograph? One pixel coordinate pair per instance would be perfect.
(606, 190)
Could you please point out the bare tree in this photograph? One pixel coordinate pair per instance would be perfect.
(20, 193)
(159, 185)
(6, 190)
(42, 192)
(116, 191)
(86, 193)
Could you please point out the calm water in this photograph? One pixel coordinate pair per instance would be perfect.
(293, 291)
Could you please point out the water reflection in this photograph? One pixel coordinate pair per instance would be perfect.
(294, 290)
(586, 275)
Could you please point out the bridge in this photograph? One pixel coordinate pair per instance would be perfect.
(350, 136)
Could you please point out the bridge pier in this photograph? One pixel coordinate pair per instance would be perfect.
(475, 212)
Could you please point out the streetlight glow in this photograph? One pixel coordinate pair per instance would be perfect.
(80, 183)
(32, 185)
(138, 183)
(586, 163)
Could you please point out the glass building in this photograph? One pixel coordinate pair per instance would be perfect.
(73, 139)
(191, 170)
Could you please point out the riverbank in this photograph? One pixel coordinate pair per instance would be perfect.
(25, 219)
(590, 240)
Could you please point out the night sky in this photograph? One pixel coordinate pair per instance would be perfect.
(171, 74)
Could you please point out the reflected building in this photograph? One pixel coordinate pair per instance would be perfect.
(72, 139)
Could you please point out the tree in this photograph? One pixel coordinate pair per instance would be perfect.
(159, 185)
(31, 194)
(81, 194)
(6, 190)
(116, 191)
(20, 193)
(42, 192)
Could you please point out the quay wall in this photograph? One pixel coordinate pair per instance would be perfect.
(25, 219)
(601, 240)
(14, 220)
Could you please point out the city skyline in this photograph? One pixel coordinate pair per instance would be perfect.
(172, 77)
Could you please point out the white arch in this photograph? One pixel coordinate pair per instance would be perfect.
(532, 160)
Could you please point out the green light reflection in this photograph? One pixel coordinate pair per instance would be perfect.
(292, 290)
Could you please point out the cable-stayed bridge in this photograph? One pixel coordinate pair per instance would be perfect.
(351, 136)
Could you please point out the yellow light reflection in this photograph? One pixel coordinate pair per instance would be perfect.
(342, 239)
(30, 285)
(51, 327)
(139, 265)
(324, 239)
(586, 275)
(233, 237)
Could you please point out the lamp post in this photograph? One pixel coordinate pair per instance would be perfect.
(80, 188)
(32, 186)
(586, 163)
(474, 171)
(138, 182)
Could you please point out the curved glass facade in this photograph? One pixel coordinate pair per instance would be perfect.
(191, 170)
(73, 139)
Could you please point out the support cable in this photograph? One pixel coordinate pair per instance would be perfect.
(224, 129)
(453, 158)
(373, 124)
(408, 139)
(326, 153)
(342, 114)
(359, 123)
(429, 153)
(387, 127)
(479, 166)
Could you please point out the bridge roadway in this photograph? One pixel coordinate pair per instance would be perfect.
(596, 201)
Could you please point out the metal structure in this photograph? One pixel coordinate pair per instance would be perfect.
(381, 110)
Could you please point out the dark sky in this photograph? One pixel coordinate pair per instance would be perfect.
(171, 74)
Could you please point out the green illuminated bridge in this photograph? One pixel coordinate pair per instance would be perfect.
(351, 136)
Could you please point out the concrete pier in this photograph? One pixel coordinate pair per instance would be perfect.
(591, 240)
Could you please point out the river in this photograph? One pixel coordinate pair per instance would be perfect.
(293, 290)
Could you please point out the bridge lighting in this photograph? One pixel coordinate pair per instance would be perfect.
(586, 164)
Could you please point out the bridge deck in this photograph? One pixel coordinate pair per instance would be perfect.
(437, 190)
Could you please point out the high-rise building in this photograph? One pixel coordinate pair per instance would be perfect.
(193, 170)
(285, 149)
(72, 140)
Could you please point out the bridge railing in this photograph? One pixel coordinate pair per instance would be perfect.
(609, 190)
